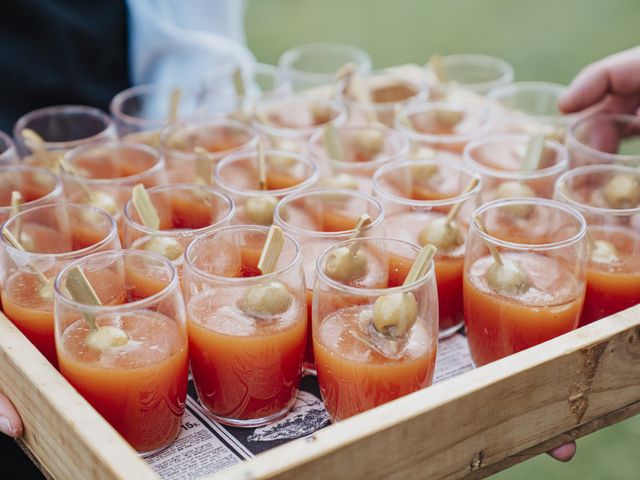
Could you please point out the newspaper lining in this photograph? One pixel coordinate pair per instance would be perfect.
(205, 446)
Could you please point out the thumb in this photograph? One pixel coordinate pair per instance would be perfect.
(10, 423)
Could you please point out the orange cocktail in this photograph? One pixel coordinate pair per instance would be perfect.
(53, 236)
(141, 112)
(140, 385)
(440, 125)
(522, 294)
(216, 138)
(103, 175)
(286, 172)
(185, 211)
(363, 149)
(317, 219)
(288, 120)
(359, 366)
(247, 331)
(609, 198)
(417, 196)
(501, 161)
(36, 186)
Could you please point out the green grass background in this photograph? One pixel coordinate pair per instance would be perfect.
(543, 39)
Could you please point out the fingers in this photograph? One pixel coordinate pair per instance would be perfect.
(10, 423)
(564, 453)
(618, 74)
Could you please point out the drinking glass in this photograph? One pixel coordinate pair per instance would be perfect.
(247, 331)
(52, 236)
(524, 277)
(139, 382)
(361, 365)
(609, 198)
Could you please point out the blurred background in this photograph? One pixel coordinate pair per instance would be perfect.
(544, 40)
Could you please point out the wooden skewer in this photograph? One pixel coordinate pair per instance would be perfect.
(271, 250)
(16, 201)
(420, 265)
(17, 245)
(37, 146)
(203, 166)
(492, 249)
(456, 208)
(535, 148)
(332, 142)
(144, 207)
(262, 167)
(81, 290)
(174, 105)
(363, 221)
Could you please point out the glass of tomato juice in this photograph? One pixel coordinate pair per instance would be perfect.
(247, 331)
(524, 275)
(139, 385)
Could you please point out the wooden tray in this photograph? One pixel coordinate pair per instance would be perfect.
(471, 426)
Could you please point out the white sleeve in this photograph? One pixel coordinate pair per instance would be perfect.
(175, 42)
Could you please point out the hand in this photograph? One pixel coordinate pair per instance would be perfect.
(10, 423)
(614, 81)
(563, 453)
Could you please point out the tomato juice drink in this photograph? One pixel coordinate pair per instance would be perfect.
(609, 198)
(501, 161)
(317, 219)
(103, 175)
(439, 125)
(358, 366)
(181, 142)
(185, 211)
(247, 331)
(53, 236)
(518, 294)
(362, 150)
(286, 172)
(139, 385)
(36, 186)
(417, 196)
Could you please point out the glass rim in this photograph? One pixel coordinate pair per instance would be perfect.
(277, 218)
(500, 91)
(270, 129)
(554, 145)
(281, 192)
(111, 234)
(54, 110)
(316, 150)
(431, 105)
(459, 198)
(55, 191)
(115, 106)
(552, 204)
(371, 292)
(215, 121)
(239, 281)
(585, 170)
(609, 117)
(71, 155)
(507, 72)
(289, 57)
(180, 232)
(173, 284)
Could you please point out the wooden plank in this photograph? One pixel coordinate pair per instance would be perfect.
(62, 431)
(485, 418)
